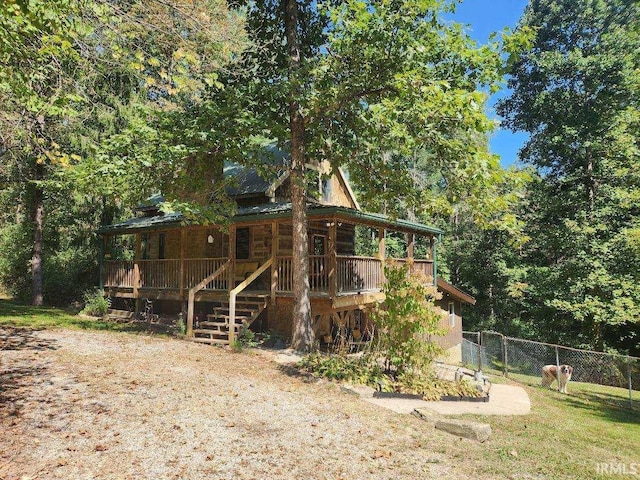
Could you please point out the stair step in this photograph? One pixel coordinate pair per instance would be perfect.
(220, 310)
(211, 341)
(212, 333)
(218, 326)
(244, 302)
(239, 318)
(119, 313)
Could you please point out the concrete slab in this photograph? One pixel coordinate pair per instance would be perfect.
(504, 400)
(398, 405)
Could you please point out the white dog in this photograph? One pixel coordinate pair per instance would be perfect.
(550, 373)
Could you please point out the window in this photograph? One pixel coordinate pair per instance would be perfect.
(161, 243)
(452, 314)
(243, 243)
(318, 245)
(326, 189)
(144, 251)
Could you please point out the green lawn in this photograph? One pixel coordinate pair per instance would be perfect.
(15, 315)
(566, 436)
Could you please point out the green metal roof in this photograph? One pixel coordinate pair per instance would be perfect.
(269, 211)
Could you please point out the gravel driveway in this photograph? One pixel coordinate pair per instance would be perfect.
(86, 405)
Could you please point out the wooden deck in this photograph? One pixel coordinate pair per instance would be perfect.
(171, 279)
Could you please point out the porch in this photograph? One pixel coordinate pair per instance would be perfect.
(253, 257)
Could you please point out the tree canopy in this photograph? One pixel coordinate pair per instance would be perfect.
(576, 92)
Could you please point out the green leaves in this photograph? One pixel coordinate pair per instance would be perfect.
(406, 320)
(574, 91)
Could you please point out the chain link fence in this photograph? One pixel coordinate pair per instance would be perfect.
(617, 376)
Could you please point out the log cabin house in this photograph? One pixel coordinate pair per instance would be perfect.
(224, 280)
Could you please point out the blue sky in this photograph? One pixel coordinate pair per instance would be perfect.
(483, 18)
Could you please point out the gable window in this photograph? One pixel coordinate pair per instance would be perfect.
(326, 189)
(452, 314)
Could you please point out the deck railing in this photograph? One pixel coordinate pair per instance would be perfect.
(118, 274)
(159, 273)
(284, 267)
(423, 266)
(417, 266)
(354, 274)
(195, 269)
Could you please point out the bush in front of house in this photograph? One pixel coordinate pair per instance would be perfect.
(95, 303)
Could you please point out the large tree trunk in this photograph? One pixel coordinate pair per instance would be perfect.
(303, 337)
(38, 222)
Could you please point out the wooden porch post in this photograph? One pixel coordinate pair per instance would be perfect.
(232, 257)
(333, 257)
(103, 248)
(381, 246)
(381, 250)
(274, 254)
(410, 249)
(136, 271)
(434, 260)
(183, 239)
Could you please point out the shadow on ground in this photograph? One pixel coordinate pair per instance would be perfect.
(611, 407)
(17, 375)
(294, 372)
(23, 338)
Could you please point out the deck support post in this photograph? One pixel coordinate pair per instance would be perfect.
(190, 306)
(231, 277)
(232, 317)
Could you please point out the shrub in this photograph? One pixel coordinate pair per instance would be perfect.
(181, 325)
(245, 339)
(359, 370)
(406, 320)
(95, 303)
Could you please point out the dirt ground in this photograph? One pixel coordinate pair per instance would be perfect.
(87, 405)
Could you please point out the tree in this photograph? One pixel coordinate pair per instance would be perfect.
(83, 81)
(36, 95)
(576, 92)
(351, 82)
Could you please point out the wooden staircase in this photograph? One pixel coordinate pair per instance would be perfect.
(215, 329)
(122, 316)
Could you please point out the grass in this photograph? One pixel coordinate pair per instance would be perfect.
(16, 315)
(564, 436)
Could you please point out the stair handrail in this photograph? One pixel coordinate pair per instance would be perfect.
(196, 289)
(234, 293)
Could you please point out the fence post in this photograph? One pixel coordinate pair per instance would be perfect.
(480, 351)
(558, 368)
(629, 378)
(504, 356)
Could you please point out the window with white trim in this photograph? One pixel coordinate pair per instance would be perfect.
(452, 314)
